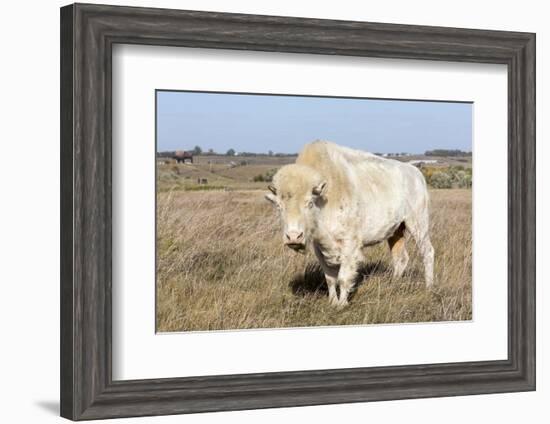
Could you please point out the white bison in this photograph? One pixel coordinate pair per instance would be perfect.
(339, 200)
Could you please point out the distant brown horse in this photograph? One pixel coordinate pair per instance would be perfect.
(183, 157)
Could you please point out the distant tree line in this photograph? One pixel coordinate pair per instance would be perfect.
(166, 154)
(270, 153)
(447, 153)
(197, 150)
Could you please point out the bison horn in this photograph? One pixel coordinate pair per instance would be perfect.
(319, 189)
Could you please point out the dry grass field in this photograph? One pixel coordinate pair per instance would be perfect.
(221, 264)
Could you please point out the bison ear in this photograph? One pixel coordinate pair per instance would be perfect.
(319, 189)
(272, 189)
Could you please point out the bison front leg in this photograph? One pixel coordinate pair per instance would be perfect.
(346, 280)
(332, 281)
(331, 276)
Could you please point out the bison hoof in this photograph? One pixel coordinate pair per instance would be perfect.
(333, 301)
(341, 304)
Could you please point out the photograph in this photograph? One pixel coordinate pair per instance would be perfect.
(278, 210)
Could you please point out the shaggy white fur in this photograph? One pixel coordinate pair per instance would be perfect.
(336, 201)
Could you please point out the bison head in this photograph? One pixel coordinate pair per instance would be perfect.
(298, 193)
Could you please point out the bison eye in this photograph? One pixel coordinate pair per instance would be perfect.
(310, 204)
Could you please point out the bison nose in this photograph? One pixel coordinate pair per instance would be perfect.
(293, 237)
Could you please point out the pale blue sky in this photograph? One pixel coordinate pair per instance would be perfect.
(283, 124)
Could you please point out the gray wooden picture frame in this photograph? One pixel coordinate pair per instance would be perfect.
(88, 33)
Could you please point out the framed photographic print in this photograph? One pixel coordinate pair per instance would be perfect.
(262, 211)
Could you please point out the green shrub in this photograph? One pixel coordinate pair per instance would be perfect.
(463, 180)
(267, 177)
(441, 180)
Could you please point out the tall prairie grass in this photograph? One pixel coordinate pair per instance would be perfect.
(221, 265)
